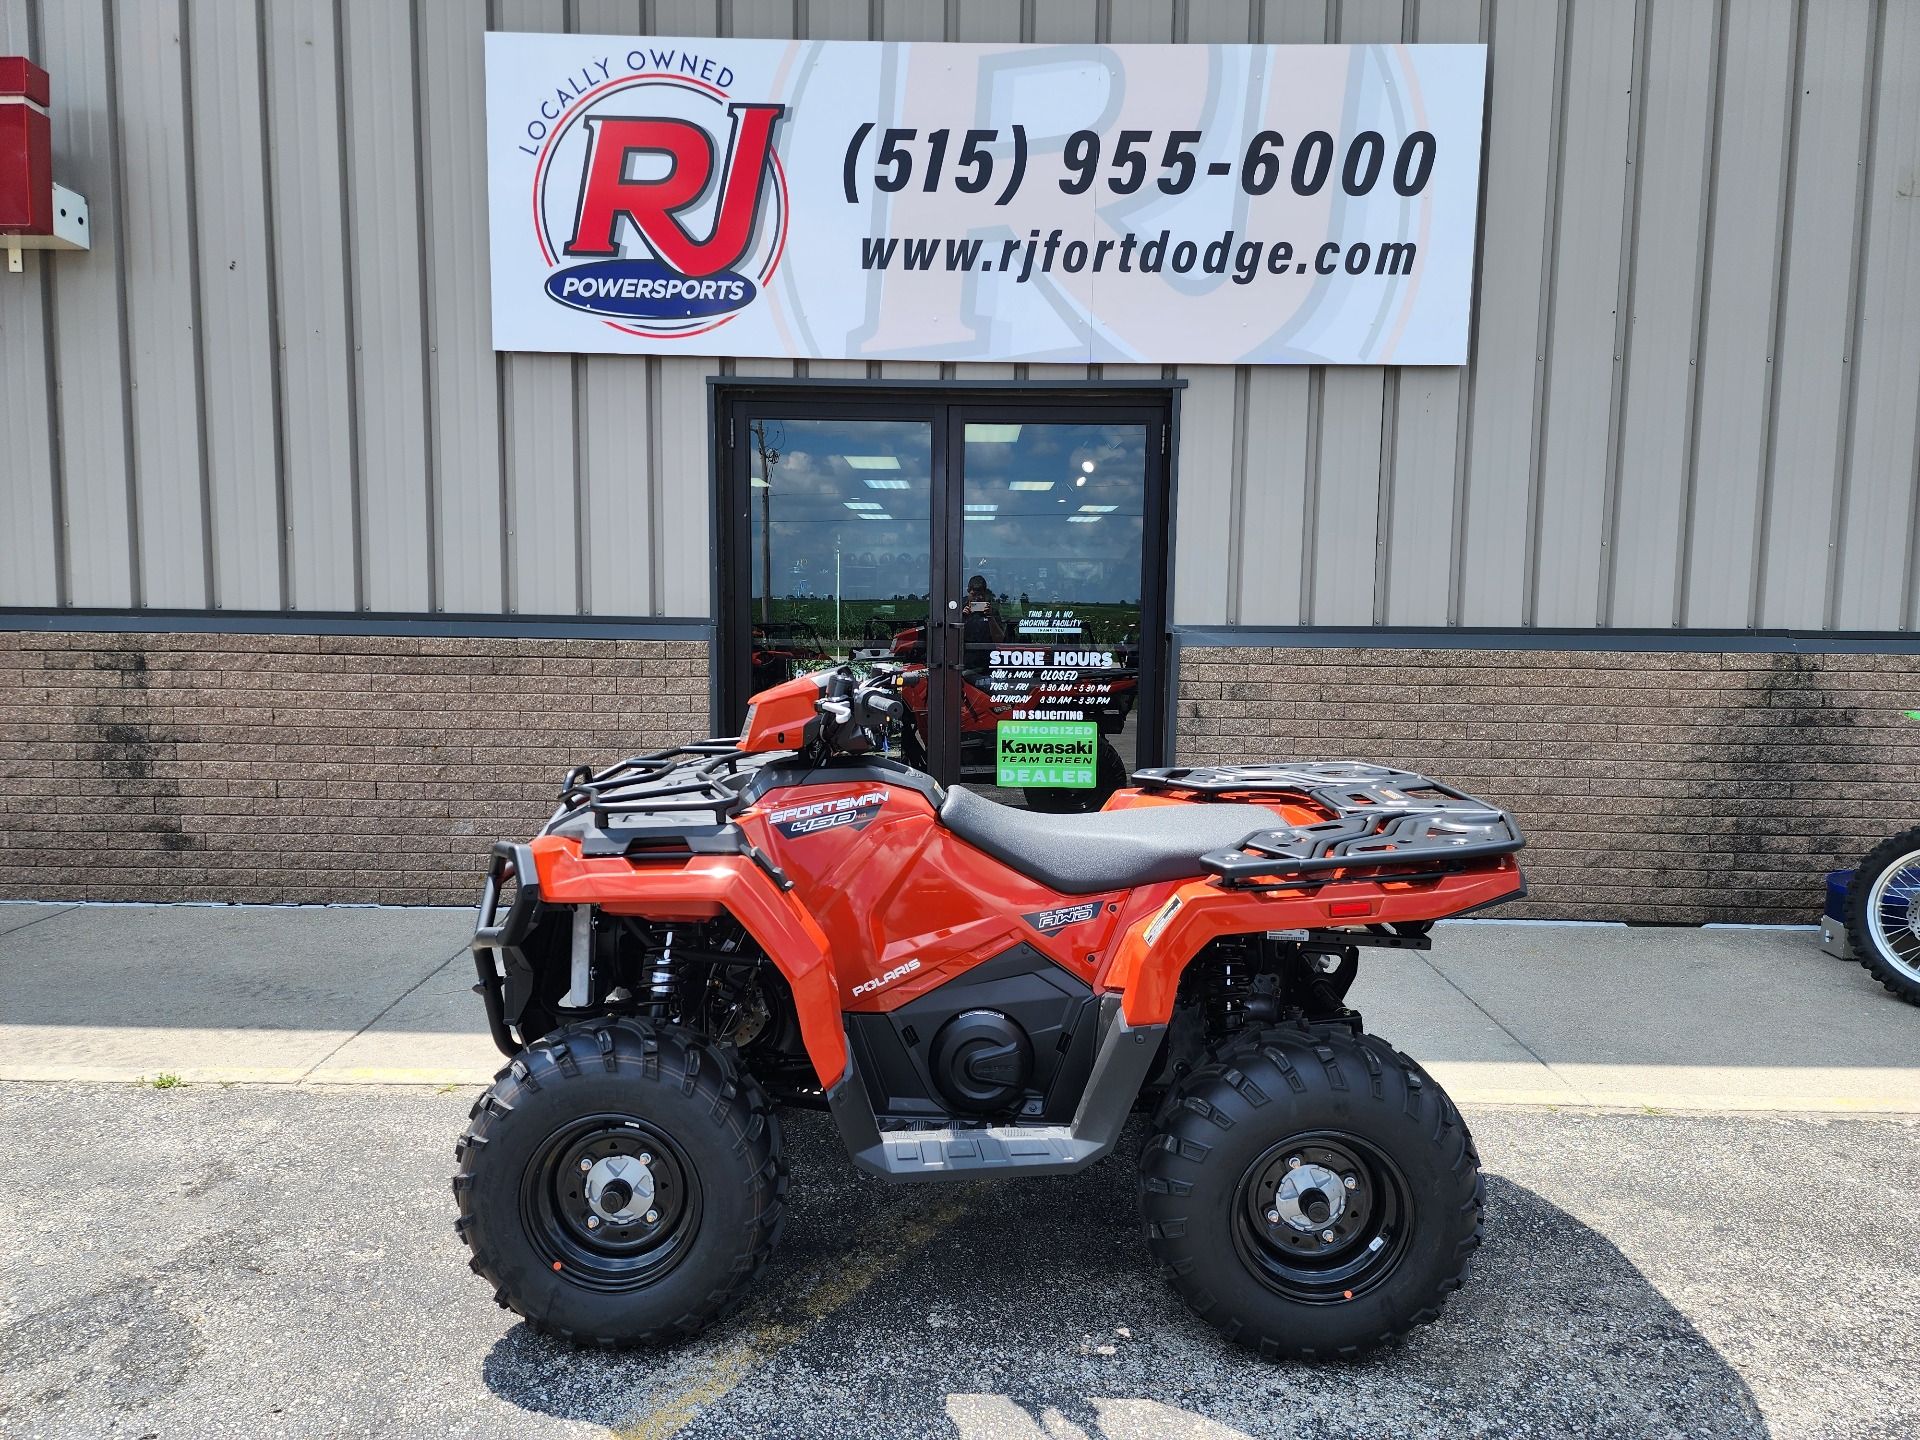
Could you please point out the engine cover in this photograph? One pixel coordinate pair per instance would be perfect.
(1011, 1038)
(981, 1061)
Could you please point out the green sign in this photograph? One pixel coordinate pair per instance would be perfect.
(1046, 754)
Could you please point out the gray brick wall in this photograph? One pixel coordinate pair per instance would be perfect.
(1681, 788)
(306, 768)
(1655, 787)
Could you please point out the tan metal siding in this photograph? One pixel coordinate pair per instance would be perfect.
(385, 241)
(1427, 470)
(1272, 495)
(1653, 420)
(1874, 565)
(88, 355)
(1692, 398)
(463, 375)
(29, 535)
(1571, 472)
(304, 136)
(1519, 195)
(238, 395)
(158, 245)
(681, 481)
(1746, 196)
(1207, 458)
(1823, 199)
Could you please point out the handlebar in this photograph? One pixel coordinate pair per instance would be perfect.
(855, 712)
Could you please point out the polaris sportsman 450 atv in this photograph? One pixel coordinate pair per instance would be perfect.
(974, 992)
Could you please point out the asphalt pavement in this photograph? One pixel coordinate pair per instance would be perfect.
(1700, 1148)
(240, 1260)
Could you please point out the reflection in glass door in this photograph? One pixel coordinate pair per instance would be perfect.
(841, 546)
(1005, 555)
(1052, 536)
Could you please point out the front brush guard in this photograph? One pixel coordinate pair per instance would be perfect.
(497, 954)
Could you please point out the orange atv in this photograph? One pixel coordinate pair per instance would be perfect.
(974, 992)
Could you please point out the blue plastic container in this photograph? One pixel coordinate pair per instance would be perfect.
(1837, 882)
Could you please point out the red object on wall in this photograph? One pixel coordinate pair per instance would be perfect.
(26, 157)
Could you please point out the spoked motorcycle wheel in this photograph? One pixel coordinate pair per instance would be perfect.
(621, 1182)
(1883, 914)
(1311, 1192)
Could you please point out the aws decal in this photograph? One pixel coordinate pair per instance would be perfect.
(658, 198)
(1048, 922)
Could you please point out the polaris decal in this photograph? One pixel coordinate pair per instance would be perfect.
(865, 986)
(1048, 922)
(848, 812)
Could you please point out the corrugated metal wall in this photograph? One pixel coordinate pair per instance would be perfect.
(1692, 400)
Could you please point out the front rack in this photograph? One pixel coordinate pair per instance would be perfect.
(704, 776)
(708, 777)
(1384, 824)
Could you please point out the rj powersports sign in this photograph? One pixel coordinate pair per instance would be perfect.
(829, 199)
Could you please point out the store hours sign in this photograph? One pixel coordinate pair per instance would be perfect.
(1106, 203)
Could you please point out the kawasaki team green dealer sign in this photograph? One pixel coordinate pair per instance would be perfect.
(1046, 754)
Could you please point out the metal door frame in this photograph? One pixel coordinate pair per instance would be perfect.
(946, 407)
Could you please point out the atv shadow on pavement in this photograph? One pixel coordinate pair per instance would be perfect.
(1026, 1311)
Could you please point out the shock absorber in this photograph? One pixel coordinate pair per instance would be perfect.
(658, 997)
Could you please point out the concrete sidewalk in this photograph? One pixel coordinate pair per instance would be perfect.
(1607, 1016)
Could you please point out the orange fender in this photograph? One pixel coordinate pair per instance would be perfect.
(704, 888)
(1155, 950)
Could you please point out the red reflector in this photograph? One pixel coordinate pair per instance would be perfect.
(1340, 908)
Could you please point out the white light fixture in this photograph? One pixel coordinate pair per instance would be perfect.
(981, 509)
(872, 462)
(758, 484)
(873, 484)
(861, 504)
(1026, 485)
(1098, 509)
(871, 515)
(1083, 519)
(1079, 479)
(992, 434)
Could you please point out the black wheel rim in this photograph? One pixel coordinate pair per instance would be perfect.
(584, 1237)
(1322, 1217)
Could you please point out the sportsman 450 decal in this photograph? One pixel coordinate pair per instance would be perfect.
(848, 812)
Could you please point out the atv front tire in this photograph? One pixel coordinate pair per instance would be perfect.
(622, 1182)
(1311, 1192)
(1883, 914)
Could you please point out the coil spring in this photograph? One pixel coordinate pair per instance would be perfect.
(660, 979)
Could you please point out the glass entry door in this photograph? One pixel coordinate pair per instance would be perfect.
(1052, 533)
(1005, 558)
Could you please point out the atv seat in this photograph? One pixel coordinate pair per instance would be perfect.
(1106, 850)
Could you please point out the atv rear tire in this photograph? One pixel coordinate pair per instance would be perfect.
(622, 1182)
(1881, 920)
(1311, 1192)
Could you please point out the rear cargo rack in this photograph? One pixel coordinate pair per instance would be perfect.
(1383, 824)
